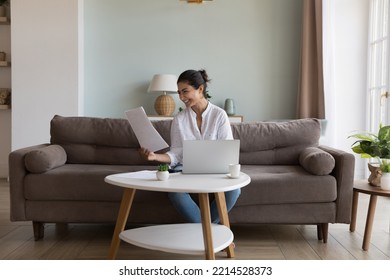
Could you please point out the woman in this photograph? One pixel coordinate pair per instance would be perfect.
(200, 120)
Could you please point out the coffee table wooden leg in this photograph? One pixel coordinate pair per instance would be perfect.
(369, 222)
(206, 225)
(124, 210)
(355, 200)
(224, 218)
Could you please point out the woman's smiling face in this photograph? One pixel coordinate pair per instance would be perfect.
(188, 94)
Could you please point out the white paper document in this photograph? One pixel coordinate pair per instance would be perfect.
(148, 137)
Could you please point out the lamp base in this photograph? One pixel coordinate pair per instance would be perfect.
(164, 105)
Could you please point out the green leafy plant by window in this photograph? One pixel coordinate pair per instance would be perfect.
(369, 145)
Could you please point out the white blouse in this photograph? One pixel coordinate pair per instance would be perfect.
(215, 125)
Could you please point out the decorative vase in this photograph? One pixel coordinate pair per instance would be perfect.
(385, 181)
(375, 174)
(162, 175)
(229, 107)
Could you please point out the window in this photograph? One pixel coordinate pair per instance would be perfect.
(378, 64)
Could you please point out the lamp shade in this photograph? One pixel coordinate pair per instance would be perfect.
(166, 83)
(163, 83)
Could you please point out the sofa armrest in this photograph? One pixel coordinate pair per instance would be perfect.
(17, 172)
(344, 172)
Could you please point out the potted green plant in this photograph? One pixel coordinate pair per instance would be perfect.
(370, 145)
(162, 173)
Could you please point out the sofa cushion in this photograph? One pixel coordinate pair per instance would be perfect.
(285, 184)
(78, 182)
(316, 161)
(275, 142)
(45, 159)
(89, 140)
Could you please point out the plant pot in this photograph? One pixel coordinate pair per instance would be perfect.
(162, 175)
(385, 181)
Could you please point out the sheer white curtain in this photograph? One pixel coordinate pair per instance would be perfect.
(328, 71)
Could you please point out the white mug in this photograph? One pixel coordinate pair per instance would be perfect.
(234, 170)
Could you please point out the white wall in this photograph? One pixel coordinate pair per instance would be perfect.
(45, 66)
(250, 49)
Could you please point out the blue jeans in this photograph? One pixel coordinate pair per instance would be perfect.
(188, 208)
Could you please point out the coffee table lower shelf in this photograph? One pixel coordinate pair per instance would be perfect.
(178, 238)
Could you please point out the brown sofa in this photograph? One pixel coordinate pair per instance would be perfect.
(293, 180)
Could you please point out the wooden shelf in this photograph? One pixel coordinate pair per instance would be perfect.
(159, 118)
(5, 107)
(4, 20)
(232, 119)
(236, 118)
(5, 64)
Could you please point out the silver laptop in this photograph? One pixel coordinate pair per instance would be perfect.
(209, 156)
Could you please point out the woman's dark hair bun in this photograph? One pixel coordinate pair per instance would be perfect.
(204, 75)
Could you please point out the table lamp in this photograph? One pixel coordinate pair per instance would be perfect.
(166, 83)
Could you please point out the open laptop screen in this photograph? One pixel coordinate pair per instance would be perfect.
(209, 156)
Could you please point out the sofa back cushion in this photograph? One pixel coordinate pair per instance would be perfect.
(100, 140)
(112, 141)
(275, 142)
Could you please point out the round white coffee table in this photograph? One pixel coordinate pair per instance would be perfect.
(205, 238)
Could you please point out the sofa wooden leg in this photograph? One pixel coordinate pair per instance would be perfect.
(322, 232)
(39, 230)
(319, 232)
(325, 227)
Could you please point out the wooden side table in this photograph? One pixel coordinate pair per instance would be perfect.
(362, 186)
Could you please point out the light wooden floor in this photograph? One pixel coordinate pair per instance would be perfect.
(256, 242)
